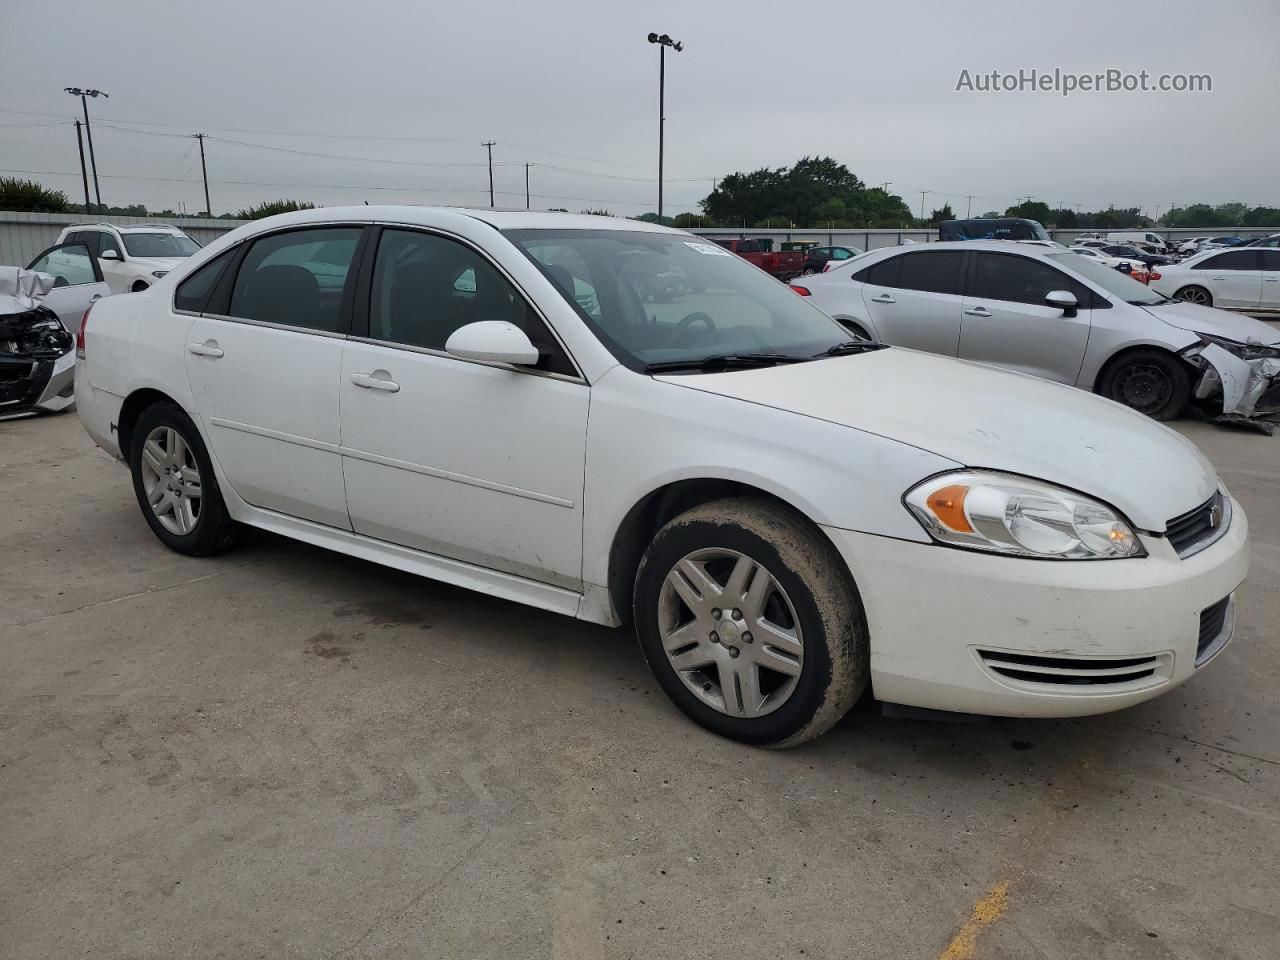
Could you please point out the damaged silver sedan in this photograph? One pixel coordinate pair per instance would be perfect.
(1060, 316)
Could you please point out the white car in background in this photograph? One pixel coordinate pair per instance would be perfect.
(132, 257)
(1239, 278)
(1093, 253)
(781, 533)
(1056, 315)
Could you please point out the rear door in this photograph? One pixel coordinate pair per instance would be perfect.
(264, 360)
(1234, 277)
(1270, 278)
(914, 299)
(77, 281)
(1007, 322)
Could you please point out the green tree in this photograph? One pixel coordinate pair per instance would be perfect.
(269, 208)
(30, 197)
(937, 216)
(1030, 210)
(686, 220)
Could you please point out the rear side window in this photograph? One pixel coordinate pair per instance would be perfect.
(193, 292)
(1016, 279)
(1234, 260)
(296, 279)
(882, 274)
(1271, 260)
(932, 271)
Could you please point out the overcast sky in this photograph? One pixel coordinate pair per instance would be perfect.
(410, 88)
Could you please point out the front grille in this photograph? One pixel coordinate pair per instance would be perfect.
(1196, 529)
(1076, 671)
(1215, 629)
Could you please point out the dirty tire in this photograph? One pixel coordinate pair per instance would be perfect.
(214, 530)
(1153, 382)
(835, 666)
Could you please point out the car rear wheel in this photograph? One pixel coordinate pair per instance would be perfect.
(749, 621)
(1150, 381)
(1196, 295)
(175, 485)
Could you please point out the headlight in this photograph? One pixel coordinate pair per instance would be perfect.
(1245, 351)
(158, 273)
(1013, 515)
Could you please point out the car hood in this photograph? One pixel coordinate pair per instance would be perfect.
(1220, 323)
(981, 416)
(156, 263)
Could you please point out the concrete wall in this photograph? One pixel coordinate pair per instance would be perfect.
(24, 235)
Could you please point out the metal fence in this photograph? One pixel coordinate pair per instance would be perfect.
(24, 235)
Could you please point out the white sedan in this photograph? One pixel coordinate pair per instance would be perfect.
(1242, 278)
(788, 517)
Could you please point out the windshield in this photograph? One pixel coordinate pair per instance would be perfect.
(658, 298)
(159, 244)
(1109, 279)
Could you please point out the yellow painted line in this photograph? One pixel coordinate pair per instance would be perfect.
(985, 912)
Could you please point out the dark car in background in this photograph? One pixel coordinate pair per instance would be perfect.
(993, 228)
(817, 259)
(1133, 253)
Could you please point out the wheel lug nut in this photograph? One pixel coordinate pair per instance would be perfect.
(748, 638)
(716, 613)
(737, 614)
(733, 651)
(715, 637)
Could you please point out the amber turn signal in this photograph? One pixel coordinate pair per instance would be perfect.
(947, 505)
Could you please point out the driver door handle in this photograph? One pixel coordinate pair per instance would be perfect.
(209, 348)
(883, 298)
(977, 312)
(370, 382)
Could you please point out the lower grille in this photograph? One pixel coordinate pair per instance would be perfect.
(1215, 629)
(1196, 529)
(1077, 672)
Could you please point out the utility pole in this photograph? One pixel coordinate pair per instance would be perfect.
(208, 208)
(922, 196)
(84, 174)
(886, 185)
(663, 42)
(968, 210)
(88, 131)
(526, 186)
(488, 145)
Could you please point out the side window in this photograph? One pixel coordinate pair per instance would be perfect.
(90, 238)
(932, 271)
(1020, 280)
(1271, 260)
(426, 286)
(840, 253)
(883, 274)
(68, 264)
(193, 293)
(296, 279)
(1233, 260)
(748, 246)
(107, 241)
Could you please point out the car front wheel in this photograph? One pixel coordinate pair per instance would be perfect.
(1150, 381)
(750, 622)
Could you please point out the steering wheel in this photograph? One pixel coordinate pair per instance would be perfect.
(696, 317)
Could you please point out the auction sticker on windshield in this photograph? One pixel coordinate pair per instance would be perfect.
(708, 248)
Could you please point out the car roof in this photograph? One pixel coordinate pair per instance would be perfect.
(498, 218)
(998, 246)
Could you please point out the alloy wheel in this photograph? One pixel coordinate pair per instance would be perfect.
(730, 632)
(1194, 295)
(171, 479)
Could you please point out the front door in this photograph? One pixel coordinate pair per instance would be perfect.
(264, 362)
(1234, 277)
(1270, 278)
(1007, 322)
(77, 282)
(477, 462)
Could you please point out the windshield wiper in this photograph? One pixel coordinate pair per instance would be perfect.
(724, 361)
(852, 346)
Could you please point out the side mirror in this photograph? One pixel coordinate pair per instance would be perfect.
(1064, 300)
(110, 255)
(492, 341)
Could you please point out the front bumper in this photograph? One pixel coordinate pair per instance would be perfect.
(959, 630)
(36, 383)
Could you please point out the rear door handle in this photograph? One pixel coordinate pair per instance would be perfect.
(978, 312)
(883, 298)
(209, 348)
(371, 382)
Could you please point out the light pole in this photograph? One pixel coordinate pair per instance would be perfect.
(84, 103)
(663, 42)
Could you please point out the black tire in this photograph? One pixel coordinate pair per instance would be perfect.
(856, 330)
(214, 530)
(1150, 381)
(835, 666)
(1195, 294)
(138, 286)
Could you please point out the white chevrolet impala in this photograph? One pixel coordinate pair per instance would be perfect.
(787, 516)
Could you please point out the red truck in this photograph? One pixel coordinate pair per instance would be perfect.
(786, 265)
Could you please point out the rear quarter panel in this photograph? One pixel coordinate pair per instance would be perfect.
(135, 341)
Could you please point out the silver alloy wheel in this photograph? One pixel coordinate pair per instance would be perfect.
(171, 479)
(1194, 295)
(730, 632)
